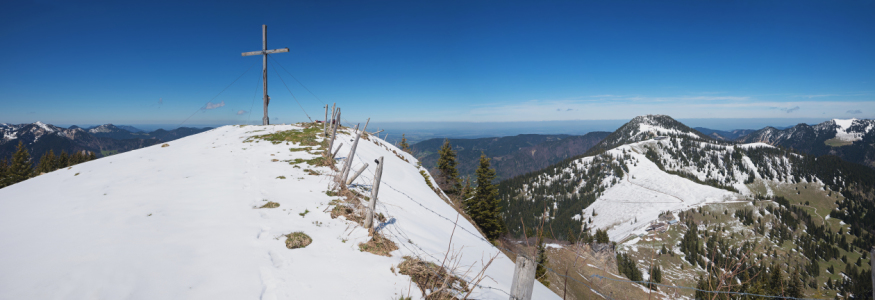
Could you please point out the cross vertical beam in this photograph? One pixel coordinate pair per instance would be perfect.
(264, 52)
(265, 120)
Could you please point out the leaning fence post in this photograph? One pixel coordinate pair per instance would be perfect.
(334, 130)
(523, 278)
(357, 173)
(342, 174)
(372, 205)
(333, 155)
(346, 167)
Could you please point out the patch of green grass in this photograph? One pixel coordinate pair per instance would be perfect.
(106, 153)
(281, 177)
(837, 143)
(306, 211)
(305, 137)
(316, 161)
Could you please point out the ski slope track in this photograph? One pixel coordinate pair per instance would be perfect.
(180, 222)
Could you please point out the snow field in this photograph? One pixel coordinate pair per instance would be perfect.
(179, 223)
(644, 193)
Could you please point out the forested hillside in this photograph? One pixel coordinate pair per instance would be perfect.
(816, 223)
(512, 155)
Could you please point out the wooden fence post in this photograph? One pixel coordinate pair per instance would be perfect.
(523, 278)
(333, 155)
(328, 129)
(341, 176)
(349, 159)
(375, 189)
(357, 173)
(334, 130)
(324, 123)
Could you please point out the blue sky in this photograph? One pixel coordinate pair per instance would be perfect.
(148, 62)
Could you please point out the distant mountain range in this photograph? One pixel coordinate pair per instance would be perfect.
(103, 140)
(511, 155)
(852, 140)
(724, 135)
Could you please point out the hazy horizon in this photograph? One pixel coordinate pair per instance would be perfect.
(419, 131)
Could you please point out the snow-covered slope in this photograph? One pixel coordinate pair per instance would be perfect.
(180, 222)
(644, 192)
(852, 130)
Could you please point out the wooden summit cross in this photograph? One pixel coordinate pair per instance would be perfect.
(264, 52)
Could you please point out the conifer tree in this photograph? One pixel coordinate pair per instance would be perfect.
(467, 191)
(656, 276)
(446, 164)
(92, 156)
(484, 207)
(541, 269)
(21, 168)
(795, 288)
(4, 166)
(404, 146)
(46, 163)
(601, 237)
(63, 160)
(776, 282)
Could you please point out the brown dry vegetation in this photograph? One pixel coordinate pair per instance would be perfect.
(298, 239)
(378, 245)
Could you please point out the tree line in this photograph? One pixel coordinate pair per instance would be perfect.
(20, 166)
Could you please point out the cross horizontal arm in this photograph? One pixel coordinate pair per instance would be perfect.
(266, 52)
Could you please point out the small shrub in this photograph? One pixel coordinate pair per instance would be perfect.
(425, 175)
(281, 177)
(306, 211)
(431, 277)
(297, 240)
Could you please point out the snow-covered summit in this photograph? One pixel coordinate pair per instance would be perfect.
(31, 132)
(180, 222)
(105, 128)
(647, 127)
(852, 130)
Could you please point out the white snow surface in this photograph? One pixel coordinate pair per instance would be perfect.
(644, 193)
(178, 223)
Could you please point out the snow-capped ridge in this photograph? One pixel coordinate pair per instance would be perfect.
(184, 221)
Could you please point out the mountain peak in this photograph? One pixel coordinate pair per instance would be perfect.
(646, 127)
(105, 128)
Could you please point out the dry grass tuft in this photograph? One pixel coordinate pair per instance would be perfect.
(431, 277)
(165, 145)
(297, 240)
(270, 204)
(378, 245)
